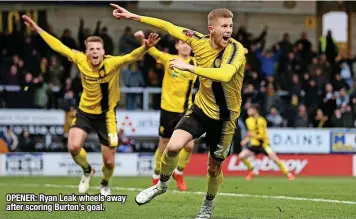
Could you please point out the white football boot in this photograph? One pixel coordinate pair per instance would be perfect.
(147, 195)
(206, 209)
(105, 190)
(85, 181)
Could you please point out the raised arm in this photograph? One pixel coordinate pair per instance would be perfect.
(181, 33)
(158, 55)
(53, 42)
(137, 54)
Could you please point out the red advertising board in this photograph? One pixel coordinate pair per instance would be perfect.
(305, 165)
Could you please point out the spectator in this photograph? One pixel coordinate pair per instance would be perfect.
(26, 143)
(339, 83)
(329, 101)
(320, 120)
(272, 99)
(13, 78)
(328, 46)
(311, 96)
(305, 47)
(69, 41)
(42, 93)
(54, 72)
(274, 119)
(83, 34)
(268, 61)
(133, 78)
(301, 119)
(296, 87)
(342, 99)
(108, 42)
(337, 120)
(128, 42)
(348, 117)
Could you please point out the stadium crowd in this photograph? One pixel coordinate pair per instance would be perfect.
(296, 84)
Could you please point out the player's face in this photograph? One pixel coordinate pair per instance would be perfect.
(221, 31)
(95, 52)
(183, 48)
(251, 112)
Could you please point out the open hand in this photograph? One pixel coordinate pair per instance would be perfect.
(152, 40)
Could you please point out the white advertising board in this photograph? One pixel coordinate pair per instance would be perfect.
(288, 140)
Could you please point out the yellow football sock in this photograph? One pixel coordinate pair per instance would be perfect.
(248, 163)
(107, 174)
(82, 161)
(213, 185)
(282, 166)
(184, 157)
(167, 166)
(158, 157)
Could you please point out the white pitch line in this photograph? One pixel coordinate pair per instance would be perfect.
(188, 192)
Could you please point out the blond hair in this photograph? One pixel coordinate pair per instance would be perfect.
(219, 13)
(94, 39)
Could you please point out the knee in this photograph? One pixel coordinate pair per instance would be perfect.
(74, 148)
(109, 163)
(173, 149)
(189, 147)
(214, 169)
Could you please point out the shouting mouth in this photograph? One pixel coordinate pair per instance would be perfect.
(95, 58)
(226, 38)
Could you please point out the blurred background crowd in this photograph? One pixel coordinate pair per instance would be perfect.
(296, 83)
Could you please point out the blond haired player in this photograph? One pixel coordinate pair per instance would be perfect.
(177, 92)
(221, 64)
(101, 92)
(258, 143)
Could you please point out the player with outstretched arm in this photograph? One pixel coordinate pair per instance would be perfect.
(221, 64)
(101, 93)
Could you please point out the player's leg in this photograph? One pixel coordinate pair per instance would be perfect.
(243, 156)
(108, 168)
(157, 158)
(219, 138)
(109, 140)
(78, 133)
(187, 129)
(273, 156)
(184, 158)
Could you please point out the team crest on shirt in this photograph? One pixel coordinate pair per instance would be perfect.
(217, 63)
(102, 73)
(175, 74)
(188, 33)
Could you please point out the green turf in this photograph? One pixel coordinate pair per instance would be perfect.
(186, 205)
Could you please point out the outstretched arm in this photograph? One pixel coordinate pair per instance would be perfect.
(159, 56)
(181, 33)
(137, 54)
(53, 42)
